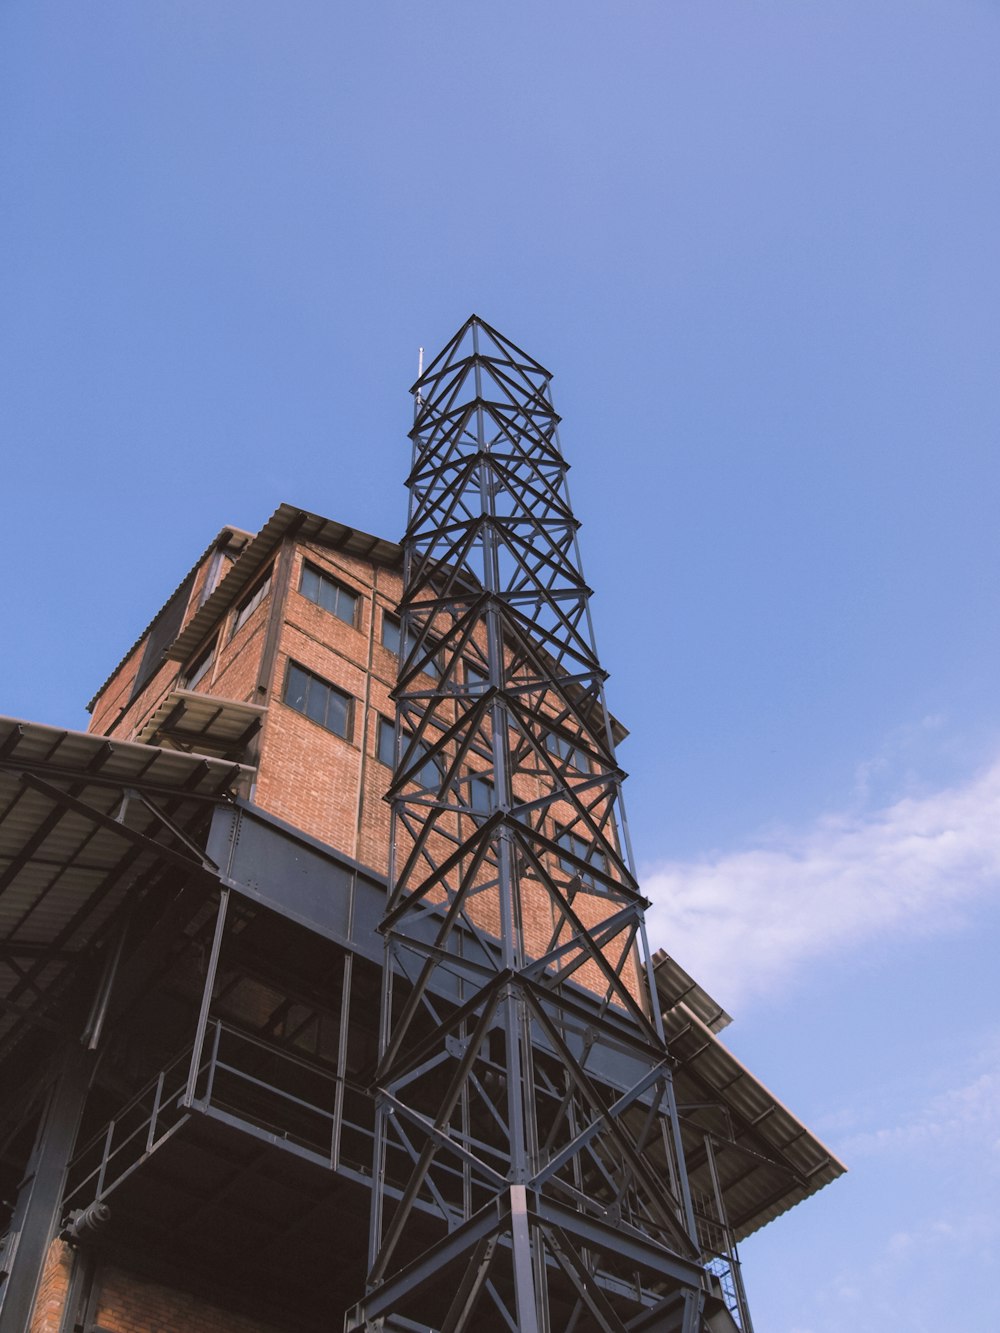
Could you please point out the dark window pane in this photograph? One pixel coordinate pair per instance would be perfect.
(318, 700)
(337, 710)
(296, 686)
(433, 665)
(329, 594)
(386, 742)
(390, 633)
(428, 774)
(392, 639)
(199, 667)
(250, 604)
(309, 586)
(481, 795)
(586, 851)
(561, 748)
(475, 677)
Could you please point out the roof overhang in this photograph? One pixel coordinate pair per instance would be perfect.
(765, 1158)
(84, 823)
(286, 521)
(202, 724)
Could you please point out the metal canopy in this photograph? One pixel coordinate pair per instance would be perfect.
(286, 520)
(767, 1159)
(202, 724)
(82, 821)
(675, 986)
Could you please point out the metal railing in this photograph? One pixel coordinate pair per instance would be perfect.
(255, 1085)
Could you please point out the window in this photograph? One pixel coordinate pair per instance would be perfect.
(198, 669)
(330, 595)
(250, 603)
(392, 639)
(586, 851)
(475, 677)
(385, 742)
(390, 633)
(319, 700)
(562, 748)
(480, 794)
(430, 772)
(165, 629)
(220, 564)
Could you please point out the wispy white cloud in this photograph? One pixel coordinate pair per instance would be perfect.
(966, 1117)
(744, 921)
(908, 1281)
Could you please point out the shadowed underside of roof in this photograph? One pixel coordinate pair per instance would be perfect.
(767, 1160)
(84, 822)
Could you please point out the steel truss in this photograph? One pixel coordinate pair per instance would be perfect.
(528, 1170)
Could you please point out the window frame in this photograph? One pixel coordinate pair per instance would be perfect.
(481, 782)
(436, 762)
(249, 604)
(482, 678)
(385, 726)
(571, 753)
(340, 588)
(389, 618)
(201, 665)
(599, 864)
(331, 690)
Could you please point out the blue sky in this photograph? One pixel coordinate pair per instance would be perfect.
(757, 246)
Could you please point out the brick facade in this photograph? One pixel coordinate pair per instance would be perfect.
(127, 1303)
(124, 1302)
(52, 1289)
(241, 647)
(330, 786)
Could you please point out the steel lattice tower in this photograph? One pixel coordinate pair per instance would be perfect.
(528, 1171)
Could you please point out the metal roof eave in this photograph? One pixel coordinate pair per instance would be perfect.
(85, 820)
(775, 1131)
(286, 519)
(225, 534)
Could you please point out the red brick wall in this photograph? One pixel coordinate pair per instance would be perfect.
(131, 1304)
(329, 786)
(52, 1289)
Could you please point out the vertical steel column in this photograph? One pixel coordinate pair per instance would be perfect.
(206, 999)
(37, 1211)
(731, 1257)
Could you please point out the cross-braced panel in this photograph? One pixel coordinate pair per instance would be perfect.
(527, 1164)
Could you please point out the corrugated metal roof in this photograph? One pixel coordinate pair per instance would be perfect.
(226, 533)
(768, 1160)
(285, 519)
(673, 985)
(200, 723)
(75, 838)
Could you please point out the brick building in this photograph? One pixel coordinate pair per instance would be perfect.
(190, 970)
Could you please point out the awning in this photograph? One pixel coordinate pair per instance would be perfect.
(202, 724)
(84, 822)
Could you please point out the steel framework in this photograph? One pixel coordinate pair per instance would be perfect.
(528, 1170)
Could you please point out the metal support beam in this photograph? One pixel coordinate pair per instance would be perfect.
(37, 1211)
